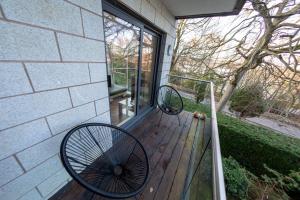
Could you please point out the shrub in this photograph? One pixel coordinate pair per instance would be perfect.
(242, 184)
(248, 101)
(237, 182)
(252, 146)
(290, 183)
(260, 189)
(200, 91)
(188, 84)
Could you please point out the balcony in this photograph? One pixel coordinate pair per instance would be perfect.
(185, 160)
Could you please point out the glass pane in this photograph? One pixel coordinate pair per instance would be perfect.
(147, 69)
(122, 50)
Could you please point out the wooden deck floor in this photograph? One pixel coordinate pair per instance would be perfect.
(168, 146)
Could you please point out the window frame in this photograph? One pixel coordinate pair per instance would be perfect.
(119, 10)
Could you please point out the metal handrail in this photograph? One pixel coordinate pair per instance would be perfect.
(218, 176)
(219, 192)
(192, 79)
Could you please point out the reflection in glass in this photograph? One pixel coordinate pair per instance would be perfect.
(147, 69)
(122, 48)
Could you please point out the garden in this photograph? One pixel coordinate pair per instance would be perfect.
(258, 163)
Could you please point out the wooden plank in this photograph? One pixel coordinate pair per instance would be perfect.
(166, 183)
(75, 191)
(159, 151)
(70, 192)
(155, 179)
(152, 134)
(153, 137)
(159, 141)
(182, 170)
(145, 125)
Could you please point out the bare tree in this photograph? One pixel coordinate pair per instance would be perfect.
(268, 36)
(262, 43)
(191, 42)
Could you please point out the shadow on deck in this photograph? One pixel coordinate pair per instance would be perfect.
(169, 148)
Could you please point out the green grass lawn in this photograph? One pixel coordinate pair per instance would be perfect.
(191, 106)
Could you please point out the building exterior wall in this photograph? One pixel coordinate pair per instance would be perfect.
(157, 13)
(53, 77)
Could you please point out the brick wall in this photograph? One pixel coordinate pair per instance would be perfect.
(53, 77)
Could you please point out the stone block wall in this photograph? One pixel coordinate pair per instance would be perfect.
(53, 77)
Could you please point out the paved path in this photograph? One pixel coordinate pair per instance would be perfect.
(277, 126)
(272, 124)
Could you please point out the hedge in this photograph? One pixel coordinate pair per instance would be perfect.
(252, 146)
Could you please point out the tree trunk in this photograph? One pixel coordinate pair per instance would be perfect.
(226, 96)
(230, 88)
(222, 88)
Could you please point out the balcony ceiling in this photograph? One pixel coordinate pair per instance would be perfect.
(203, 8)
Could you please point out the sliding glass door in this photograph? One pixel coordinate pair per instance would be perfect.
(149, 51)
(131, 51)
